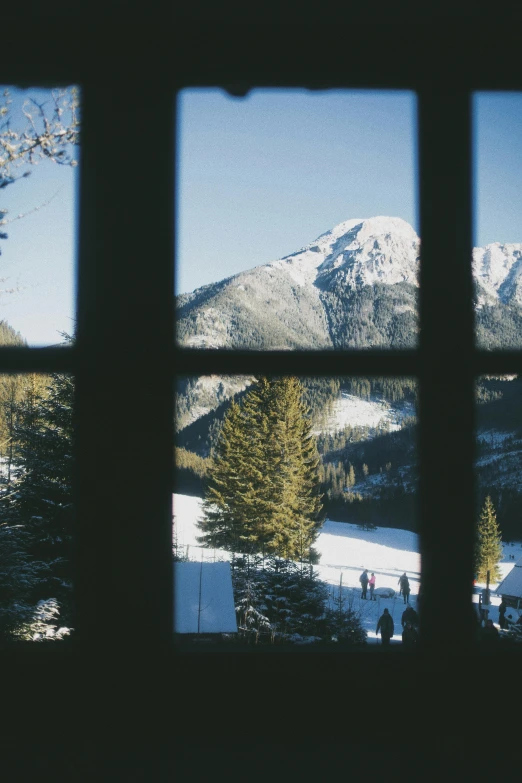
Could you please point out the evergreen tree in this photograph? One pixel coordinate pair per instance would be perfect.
(343, 623)
(278, 601)
(20, 577)
(262, 496)
(488, 550)
(38, 502)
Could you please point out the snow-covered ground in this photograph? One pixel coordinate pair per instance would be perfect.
(345, 550)
(353, 411)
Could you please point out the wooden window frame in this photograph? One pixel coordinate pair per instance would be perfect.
(125, 316)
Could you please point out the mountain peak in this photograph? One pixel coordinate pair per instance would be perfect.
(362, 228)
(373, 250)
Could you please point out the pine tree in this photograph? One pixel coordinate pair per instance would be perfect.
(262, 496)
(38, 502)
(488, 550)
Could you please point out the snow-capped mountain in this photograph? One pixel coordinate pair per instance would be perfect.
(293, 302)
(365, 252)
(355, 286)
(497, 270)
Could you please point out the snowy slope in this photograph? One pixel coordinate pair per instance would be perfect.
(374, 413)
(498, 270)
(345, 550)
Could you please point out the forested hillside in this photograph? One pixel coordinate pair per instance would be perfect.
(370, 475)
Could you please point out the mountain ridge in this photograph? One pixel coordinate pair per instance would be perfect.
(354, 286)
(288, 303)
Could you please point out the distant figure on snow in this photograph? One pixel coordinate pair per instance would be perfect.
(401, 578)
(363, 579)
(371, 582)
(409, 616)
(410, 636)
(405, 588)
(502, 614)
(386, 627)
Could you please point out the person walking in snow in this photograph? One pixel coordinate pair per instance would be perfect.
(405, 587)
(371, 583)
(410, 635)
(400, 582)
(502, 614)
(363, 579)
(386, 627)
(409, 616)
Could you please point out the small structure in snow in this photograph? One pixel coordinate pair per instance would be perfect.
(384, 592)
(511, 586)
(203, 598)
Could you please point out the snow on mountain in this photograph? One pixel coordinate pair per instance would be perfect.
(498, 270)
(374, 413)
(384, 249)
(379, 249)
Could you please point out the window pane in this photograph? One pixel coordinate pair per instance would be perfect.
(299, 485)
(36, 512)
(497, 255)
(498, 562)
(296, 224)
(39, 150)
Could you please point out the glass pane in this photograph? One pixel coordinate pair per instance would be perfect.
(296, 223)
(497, 255)
(36, 512)
(39, 149)
(285, 491)
(498, 559)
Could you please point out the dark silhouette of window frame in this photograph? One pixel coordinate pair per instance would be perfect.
(125, 360)
(119, 692)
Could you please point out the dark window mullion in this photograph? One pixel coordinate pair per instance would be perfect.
(329, 363)
(124, 382)
(446, 403)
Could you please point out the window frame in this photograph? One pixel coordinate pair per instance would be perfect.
(132, 573)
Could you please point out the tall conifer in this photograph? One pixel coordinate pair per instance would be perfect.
(488, 550)
(262, 496)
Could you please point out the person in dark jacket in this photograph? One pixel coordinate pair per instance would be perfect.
(409, 615)
(410, 637)
(502, 614)
(386, 627)
(405, 587)
(363, 579)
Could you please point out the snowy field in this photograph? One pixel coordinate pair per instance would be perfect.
(345, 550)
(349, 409)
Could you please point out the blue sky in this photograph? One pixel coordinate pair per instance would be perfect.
(38, 258)
(497, 146)
(258, 178)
